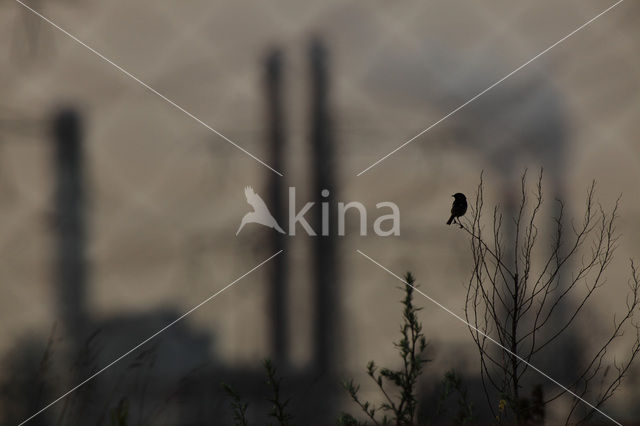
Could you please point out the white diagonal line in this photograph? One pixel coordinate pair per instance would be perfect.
(458, 317)
(590, 21)
(88, 379)
(146, 86)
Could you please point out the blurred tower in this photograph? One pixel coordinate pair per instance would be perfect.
(325, 269)
(277, 140)
(70, 276)
(70, 265)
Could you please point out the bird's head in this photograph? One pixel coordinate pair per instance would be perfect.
(459, 196)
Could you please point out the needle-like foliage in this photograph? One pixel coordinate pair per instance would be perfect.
(399, 410)
(279, 405)
(238, 406)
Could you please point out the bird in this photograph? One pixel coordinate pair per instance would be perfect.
(458, 208)
(260, 213)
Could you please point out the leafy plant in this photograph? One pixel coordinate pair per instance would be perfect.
(452, 384)
(238, 406)
(278, 404)
(278, 409)
(120, 413)
(401, 409)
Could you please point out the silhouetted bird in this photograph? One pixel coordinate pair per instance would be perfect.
(458, 208)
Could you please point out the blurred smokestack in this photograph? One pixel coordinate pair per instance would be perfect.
(276, 137)
(70, 268)
(325, 270)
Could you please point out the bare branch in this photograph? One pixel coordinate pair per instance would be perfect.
(530, 305)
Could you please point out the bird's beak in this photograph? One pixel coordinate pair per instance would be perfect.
(453, 196)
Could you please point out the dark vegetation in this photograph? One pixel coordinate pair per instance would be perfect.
(525, 300)
(400, 403)
(521, 303)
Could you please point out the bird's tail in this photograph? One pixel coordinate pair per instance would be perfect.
(450, 220)
(241, 225)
